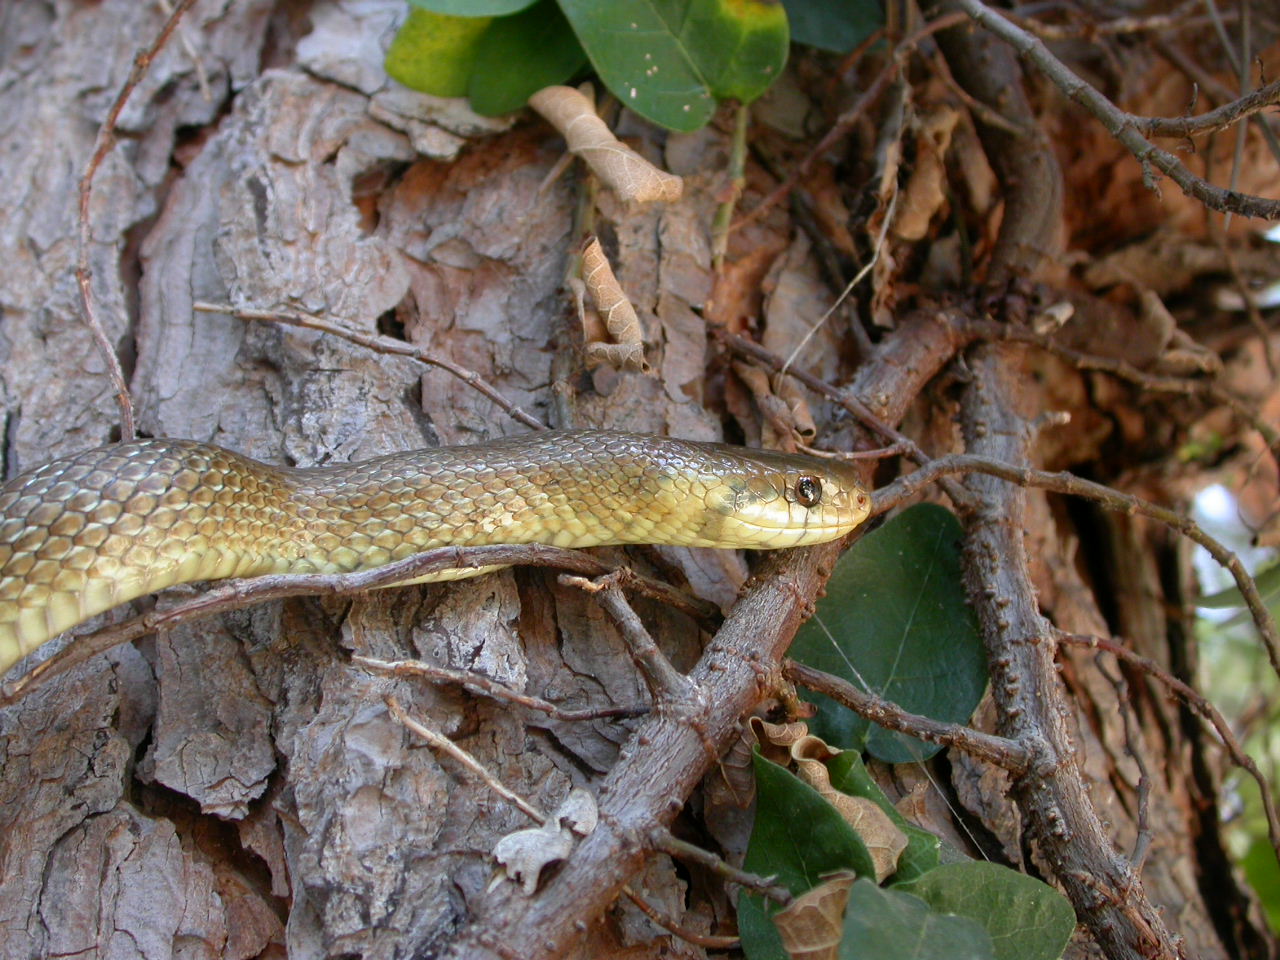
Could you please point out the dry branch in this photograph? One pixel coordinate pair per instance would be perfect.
(1118, 123)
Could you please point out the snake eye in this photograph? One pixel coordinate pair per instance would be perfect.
(808, 491)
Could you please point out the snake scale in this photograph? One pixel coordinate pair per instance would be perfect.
(84, 533)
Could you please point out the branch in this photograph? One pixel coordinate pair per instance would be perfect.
(906, 487)
(1006, 754)
(1119, 124)
(378, 344)
(1029, 699)
(84, 273)
(1201, 705)
(666, 757)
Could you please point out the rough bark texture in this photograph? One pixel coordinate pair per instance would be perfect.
(238, 788)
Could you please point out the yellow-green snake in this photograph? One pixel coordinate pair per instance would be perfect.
(87, 532)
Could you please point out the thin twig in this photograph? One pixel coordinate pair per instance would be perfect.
(1161, 22)
(84, 272)
(707, 941)
(1142, 841)
(664, 840)
(1219, 118)
(380, 344)
(1201, 705)
(906, 487)
(489, 687)
(668, 685)
(1210, 389)
(1118, 123)
(999, 751)
(438, 741)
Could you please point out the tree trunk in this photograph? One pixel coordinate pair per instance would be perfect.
(238, 787)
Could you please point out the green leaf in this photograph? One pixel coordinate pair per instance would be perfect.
(923, 853)
(472, 8)
(739, 46)
(670, 59)
(1026, 919)
(797, 837)
(885, 924)
(895, 621)
(833, 25)
(434, 53)
(519, 55)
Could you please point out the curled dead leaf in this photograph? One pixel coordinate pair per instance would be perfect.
(621, 324)
(628, 174)
(812, 924)
(775, 739)
(779, 421)
(880, 835)
(926, 191)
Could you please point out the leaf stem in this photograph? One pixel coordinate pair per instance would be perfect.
(737, 181)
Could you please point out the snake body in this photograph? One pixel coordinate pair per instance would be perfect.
(90, 531)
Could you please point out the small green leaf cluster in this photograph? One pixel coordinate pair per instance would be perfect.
(670, 61)
(895, 622)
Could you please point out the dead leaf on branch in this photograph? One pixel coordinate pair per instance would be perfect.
(812, 924)
(620, 322)
(628, 174)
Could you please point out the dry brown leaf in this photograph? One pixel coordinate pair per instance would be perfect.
(735, 784)
(881, 836)
(801, 416)
(926, 192)
(812, 924)
(626, 352)
(628, 174)
(776, 739)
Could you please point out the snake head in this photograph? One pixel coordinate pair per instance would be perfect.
(784, 500)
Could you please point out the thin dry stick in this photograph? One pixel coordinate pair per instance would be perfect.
(439, 741)
(84, 273)
(708, 941)
(1209, 389)
(669, 685)
(1004, 753)
(664, 840)
(1163, 22)
(1201, 705)
(1141, 842)
(1219, 118)
(380, 344)
(1118, 123)
(848, 288)
(1062, 482)
(479, 683)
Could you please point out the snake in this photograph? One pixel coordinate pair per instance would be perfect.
(85, 533)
